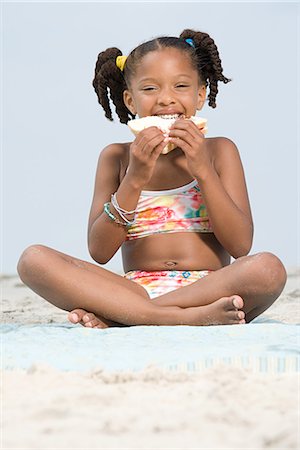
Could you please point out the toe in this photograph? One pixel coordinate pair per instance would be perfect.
(92, 323)
(238, 315)
(76, 315)
(88, 318)
(235, 316)
(73, 318)
(241, 314)
(237, 302)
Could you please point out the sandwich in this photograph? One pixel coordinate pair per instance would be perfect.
(164, 123)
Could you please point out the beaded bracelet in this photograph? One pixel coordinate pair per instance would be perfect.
(114, 218)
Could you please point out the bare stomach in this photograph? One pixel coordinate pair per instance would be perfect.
(174, 251)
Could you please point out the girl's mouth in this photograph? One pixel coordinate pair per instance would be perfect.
(169, 116)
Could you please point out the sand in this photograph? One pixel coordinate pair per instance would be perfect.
(220, 408)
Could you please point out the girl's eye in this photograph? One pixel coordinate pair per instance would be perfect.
(152, 88)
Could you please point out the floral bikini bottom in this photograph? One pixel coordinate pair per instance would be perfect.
(162, 281)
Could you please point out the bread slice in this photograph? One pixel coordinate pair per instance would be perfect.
(137, 125)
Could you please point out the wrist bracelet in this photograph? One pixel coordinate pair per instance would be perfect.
(122, 212)
(118, 207)
(114, 218)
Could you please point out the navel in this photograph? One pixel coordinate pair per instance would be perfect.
(170, 263)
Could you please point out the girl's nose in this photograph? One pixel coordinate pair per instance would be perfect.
(165, 97)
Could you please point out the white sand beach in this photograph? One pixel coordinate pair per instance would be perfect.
(220, 408)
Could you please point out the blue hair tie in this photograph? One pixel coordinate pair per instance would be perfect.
(190, 42)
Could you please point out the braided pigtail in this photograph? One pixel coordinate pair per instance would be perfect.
(208, 62)
(109, 79)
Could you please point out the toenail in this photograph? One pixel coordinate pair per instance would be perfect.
(86, 317)
(74, 317)
(235, 302)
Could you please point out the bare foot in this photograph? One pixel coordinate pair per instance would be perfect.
(225, 311)
(88, 319)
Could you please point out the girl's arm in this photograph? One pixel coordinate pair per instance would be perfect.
(224, 192)
(220, 175)
(104, 236)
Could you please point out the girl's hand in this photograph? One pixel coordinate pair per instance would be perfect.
(186, 135)
(144, 152)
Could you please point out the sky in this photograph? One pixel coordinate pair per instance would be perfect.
(53, 128)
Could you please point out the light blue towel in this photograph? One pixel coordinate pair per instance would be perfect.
(261, 347)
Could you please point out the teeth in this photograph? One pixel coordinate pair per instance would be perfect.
(169, 116)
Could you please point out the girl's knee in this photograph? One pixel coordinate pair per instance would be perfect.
(271, 270)
(30, 259)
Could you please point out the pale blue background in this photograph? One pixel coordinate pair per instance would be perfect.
(54, 129)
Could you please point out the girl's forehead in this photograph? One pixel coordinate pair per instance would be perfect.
(168, 59)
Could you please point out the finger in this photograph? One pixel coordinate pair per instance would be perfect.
(159, 148)
(184, 133)
(180, 143)
(187, 125)
(184, 136)
(148, 133)
(148, 145)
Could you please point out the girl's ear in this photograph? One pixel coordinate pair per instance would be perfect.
(129, 102)
(201, 97)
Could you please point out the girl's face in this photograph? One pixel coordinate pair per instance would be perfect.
(165, 83)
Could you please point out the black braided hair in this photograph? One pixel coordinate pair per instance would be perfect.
(109, 79)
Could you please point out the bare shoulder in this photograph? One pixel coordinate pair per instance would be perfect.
(228, 165)
(113, 157)
(114, 151)
(223, 151)
(108, 168)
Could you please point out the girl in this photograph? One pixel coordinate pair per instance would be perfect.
(178, 217)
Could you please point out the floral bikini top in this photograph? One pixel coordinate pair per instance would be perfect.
(170, 211)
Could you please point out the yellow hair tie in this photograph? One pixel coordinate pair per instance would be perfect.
(120, 62)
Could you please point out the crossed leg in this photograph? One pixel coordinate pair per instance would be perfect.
(258, 279)
(70, 283)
